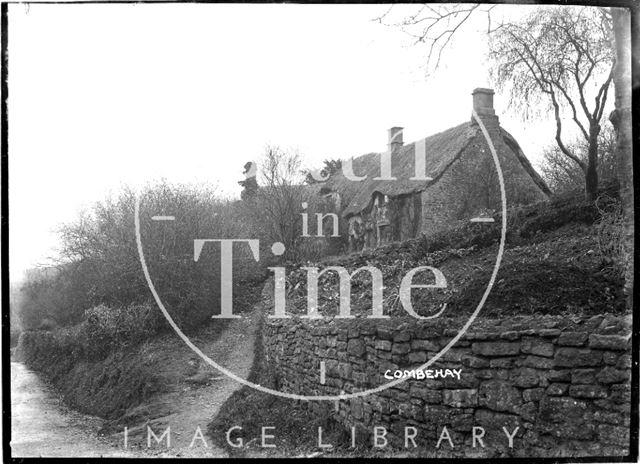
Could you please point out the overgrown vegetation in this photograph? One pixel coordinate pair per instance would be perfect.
(273, 199)
(100, 267)
(106, 386)
(563, 175)
(87, 320)
(563, 256)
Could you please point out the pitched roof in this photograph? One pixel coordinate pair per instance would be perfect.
(515, 147)
(442, 150)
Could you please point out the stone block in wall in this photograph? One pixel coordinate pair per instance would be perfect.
(608, 417)
(481, 336)
(474, 361)
(532, 394)
(353, 332)
(496, 348)
(593, 322)
(420, 389)
(454, 354)
(379, 404)
(427, 345)
(611, 375)
(610, 357)
(621, 393)
(344, 370)
(368, 329)
(401, 359)
(614, 324)
(467, 379)
(538, 362)
(588, 391)
(418, 357)
(495, 374)
(577, 357)
(528, 411)
(461, 398)
(573, 338)
(525, 377)
(568, 431)
(510, 335)
(549, 333)
(557, 389)
(609, 405)
(462, 422)
(334, 382)
(608, 342)
(491, 420)
(356, 347)
(411, 411)
(438, 415)
(624, 362)
(613, 434)
(562, 409)
(583, 376)
(383, 345)
(401, 348)
(563, 375)
(356, 408)
(360, 378)
(402, 337)
(536, 346)
(502, 363)
(499, 395)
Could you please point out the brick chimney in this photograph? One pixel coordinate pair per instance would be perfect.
(395, 139)
(483, 105)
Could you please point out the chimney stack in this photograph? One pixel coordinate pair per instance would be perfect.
(483, 104)
(395, 138)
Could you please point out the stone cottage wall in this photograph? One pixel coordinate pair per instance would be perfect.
(564, 384)
(471, 183)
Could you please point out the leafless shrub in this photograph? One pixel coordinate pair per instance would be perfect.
(610, 233)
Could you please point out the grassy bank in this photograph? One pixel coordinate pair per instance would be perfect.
(102, 369)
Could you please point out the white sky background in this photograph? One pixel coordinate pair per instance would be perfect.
(105, 95)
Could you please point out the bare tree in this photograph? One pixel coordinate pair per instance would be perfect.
(563, 174)
(277, 206)
(448, 19)
(435, 25)
(563, 57)
(555, 56)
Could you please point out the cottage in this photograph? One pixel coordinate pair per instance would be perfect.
(460, 181)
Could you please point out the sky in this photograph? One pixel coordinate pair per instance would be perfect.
(103, 95)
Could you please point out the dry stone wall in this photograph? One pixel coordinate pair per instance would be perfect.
(564, 384)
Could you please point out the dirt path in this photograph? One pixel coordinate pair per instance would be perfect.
(197, 396)
(43, 426)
